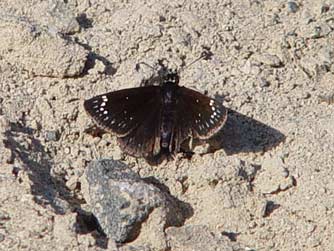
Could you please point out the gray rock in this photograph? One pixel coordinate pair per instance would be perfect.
(121, 200)
(268, 59)
(61, 18)
(263, 82)
(51, 136)
(292, 7)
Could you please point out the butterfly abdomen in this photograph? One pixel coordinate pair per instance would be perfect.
(168, 117)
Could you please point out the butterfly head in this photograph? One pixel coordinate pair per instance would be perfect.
(169, 76)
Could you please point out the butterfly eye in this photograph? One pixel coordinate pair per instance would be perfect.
(171, 77)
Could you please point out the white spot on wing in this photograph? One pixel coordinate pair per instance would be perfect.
(101, 109)
(105, 112)
(103, 104)
(106, 118)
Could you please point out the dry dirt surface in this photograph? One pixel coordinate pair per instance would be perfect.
(265, 182)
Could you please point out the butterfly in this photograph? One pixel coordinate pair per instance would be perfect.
(153, 120)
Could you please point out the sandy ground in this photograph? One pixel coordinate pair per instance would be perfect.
(267, 184)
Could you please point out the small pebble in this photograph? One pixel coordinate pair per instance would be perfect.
(4, 124)
(201, 149)
(249, 249)
(252, 225)
(268, 208)
(35, 125)
(4, 216)
(263, 82)
(329, 99)
(67, 150)
(292, 7)
(306, 95)
(317, 32)
(72, 183)
(285, 173)
(7, 156)
(325, 8)
(51, 136)
(2, 237)
(268, 59)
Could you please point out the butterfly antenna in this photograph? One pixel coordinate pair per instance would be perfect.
(143, 63)
(206, 55)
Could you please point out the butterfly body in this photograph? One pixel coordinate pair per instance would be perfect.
(154, 120)
(169, 87)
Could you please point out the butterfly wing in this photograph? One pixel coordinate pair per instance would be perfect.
(120, 112)
(144, 141)
(199, 115)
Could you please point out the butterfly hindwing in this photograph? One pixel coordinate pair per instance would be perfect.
(199, 114)
(144, 141)
(122, 111)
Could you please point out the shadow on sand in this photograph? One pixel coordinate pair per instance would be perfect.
(47, 189)
(37, 162)
(242, 134)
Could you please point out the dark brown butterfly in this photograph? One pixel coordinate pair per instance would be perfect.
(152, 121)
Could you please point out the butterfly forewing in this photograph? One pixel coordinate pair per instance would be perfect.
(122, 111)
(199, 114)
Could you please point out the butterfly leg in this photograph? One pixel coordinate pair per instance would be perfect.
(178, 140)
(151, 81)
(191, 141)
